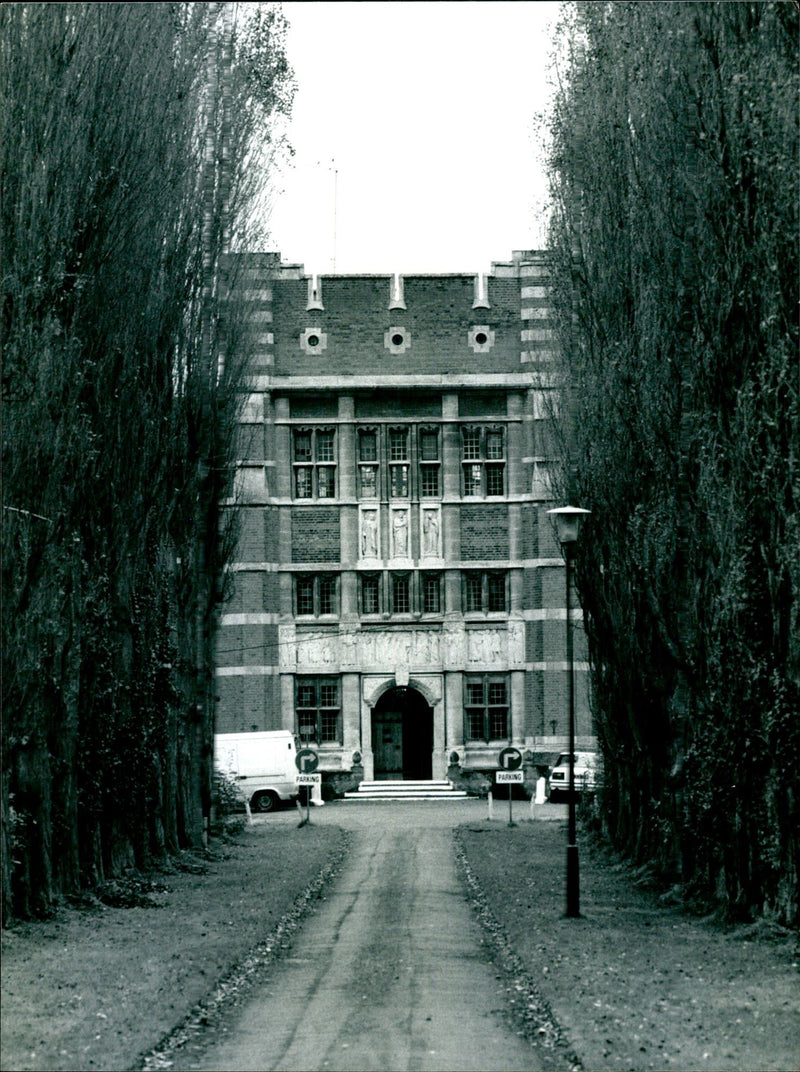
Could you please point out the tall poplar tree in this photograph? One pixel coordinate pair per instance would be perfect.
(133, 139)
(674, 242)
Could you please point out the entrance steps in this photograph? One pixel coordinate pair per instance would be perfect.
(406, 790)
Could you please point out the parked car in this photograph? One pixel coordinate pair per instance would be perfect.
(587, 774)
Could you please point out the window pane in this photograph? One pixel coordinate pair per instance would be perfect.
(494, 480)
(328, 694)
(326, 482)
(475, 693)
(429, 446)
(472, 443)
(368, 446)
(430, 480)
(307, 725)
(472, 479)
(305, 595)
(475, 723)
(369, 482)
(302, 446)
(327, 595)
(398, 445)
(498, 722)
(306, 695)
(497, 592)
(329, 726)
(302, 482)
(473, 584)
(494, 445)
(430, 593)
(399, 481)
(400, 595)
(324, 446)
(497, 692)
(369, 595)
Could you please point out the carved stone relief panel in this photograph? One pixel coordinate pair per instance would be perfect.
(485, 646)
(348, 646)
(453, 649)
(317, 651)
(426, 648)
(453, 643)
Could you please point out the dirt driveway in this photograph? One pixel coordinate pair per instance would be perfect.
(391, 972)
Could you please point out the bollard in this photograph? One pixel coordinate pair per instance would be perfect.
(491, 802)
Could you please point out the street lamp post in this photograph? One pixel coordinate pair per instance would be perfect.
(568, 522)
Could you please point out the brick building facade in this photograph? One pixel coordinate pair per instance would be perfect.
(399, 595)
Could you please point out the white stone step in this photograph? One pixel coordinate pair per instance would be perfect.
(387, 789)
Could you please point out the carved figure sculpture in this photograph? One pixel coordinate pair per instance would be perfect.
(400, 531)
(369, 534)
(430, 533)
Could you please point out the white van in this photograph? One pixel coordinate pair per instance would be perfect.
(261, 764)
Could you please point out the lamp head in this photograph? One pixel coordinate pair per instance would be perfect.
(568, 522)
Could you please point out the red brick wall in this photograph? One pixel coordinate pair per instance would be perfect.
(356, 316)
(484, 532)
(315, 534)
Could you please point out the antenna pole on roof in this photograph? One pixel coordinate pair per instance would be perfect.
(335, 207)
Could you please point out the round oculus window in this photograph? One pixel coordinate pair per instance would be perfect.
(397, 339)
(313, 340)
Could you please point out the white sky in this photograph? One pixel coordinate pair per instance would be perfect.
(414, 137)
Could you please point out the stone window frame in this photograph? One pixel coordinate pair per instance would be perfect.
(433, 577)
(313, 466)
(366, 464)
(399, 465)
(398, 476)
(383, 582)
(317, 710)
(373, 577)
(480, 466)
(395, 578)
(428, 466)
(487, 591)
(312, 589)
(486, 709)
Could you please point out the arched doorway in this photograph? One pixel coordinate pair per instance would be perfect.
(402, 736)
